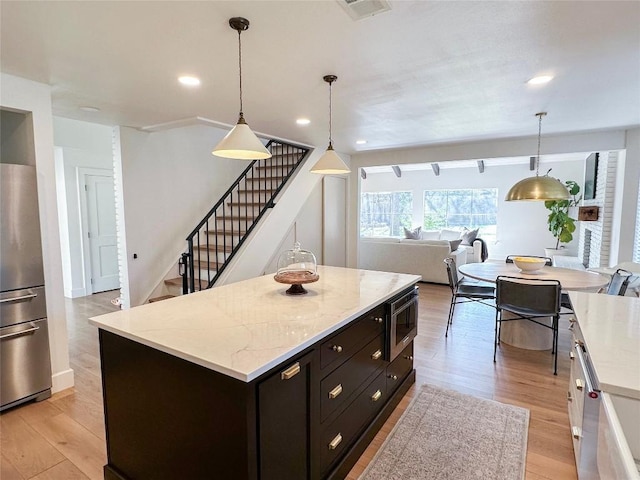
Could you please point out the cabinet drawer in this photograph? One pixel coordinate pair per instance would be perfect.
(344, 381)
(341, 433)
(399, 368)
(344, 344)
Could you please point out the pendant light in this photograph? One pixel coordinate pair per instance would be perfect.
(538, 187)
(241, 143)
(330, 163)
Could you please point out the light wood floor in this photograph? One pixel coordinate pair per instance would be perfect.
(63, 438)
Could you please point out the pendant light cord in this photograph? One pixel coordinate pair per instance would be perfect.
(539, 115)
(330, 96)
(240, 69)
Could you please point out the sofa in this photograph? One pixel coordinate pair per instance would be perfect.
(474, 250)
(418, 257)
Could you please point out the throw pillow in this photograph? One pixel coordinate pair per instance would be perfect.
(454, 244)
(468, 236)
(412, 234)
(446, 234)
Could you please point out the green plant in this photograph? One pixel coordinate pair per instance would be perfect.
(561, 225)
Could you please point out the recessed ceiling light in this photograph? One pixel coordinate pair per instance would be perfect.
(88, 108)
(303, 121)
(540, 80)
(189, 81)
(360, 142)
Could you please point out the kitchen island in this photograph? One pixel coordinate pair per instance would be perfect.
(604, 390)
(245, 382)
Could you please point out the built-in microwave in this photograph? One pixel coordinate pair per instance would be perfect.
(403, 321)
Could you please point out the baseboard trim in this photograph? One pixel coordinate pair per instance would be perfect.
(75, 293)
(62, 380)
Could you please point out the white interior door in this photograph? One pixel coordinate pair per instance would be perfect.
(101, 216)
(334, 220)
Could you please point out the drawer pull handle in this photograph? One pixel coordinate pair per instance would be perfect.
(408, 357)
(572, 355)
(393, 377)
(335, 392)
(21, 332)
(335, 442)
(378, 319)
(569, 397)
(376, 355)
(579, 384)
(576, 432)
(376, 396)
(337, 348)
(290, 372)
(17, 299)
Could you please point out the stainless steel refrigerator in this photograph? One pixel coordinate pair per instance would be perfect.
(25, 364)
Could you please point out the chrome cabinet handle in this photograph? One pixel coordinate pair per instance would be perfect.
(336, 391)
(376, 355)
(408, 357)
(569, 397)
(333, 444)
(393, 377)
(572, 355)
(290, 372)
(15, 299)
(576, 432)
(21, 332)
(579, 384)
(378, 319)
(376, 396)
(337, 348)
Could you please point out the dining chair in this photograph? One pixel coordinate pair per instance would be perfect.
(619, 282)
(547, 261)
(532, 300)
(462, 292)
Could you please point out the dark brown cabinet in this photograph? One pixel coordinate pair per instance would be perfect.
(284, 421)
(310, 417)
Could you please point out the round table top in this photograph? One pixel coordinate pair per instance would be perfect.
(569, 279)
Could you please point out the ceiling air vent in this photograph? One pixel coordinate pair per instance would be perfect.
(359, 9)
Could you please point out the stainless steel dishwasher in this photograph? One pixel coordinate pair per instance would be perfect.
(25, 364)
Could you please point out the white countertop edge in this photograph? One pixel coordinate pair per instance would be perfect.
(250, 376)
(619, 390)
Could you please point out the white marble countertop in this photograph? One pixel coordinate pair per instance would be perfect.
(610, 326)
(245, 328)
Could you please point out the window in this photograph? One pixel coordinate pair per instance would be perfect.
(383, 214)
(455, 209)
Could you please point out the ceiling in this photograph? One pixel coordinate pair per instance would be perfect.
(424, 72)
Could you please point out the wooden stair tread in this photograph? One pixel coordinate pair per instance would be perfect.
(163, 297)
(213, 247)
(178, 281)
(260, 191)
(226, 232)
(202, 264)
(231, 218)
(239, 204)
(257, 179)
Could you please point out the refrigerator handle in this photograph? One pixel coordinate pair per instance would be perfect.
(21, 332)
(15, 299)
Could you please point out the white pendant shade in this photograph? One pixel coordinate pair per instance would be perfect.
(538, 189)
(330, 164)
(242, 144)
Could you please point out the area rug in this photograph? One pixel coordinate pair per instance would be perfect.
(444, 434)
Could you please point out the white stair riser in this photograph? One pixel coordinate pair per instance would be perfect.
(213, 256)
(256, 196)
(264, 183)
(242, 210)
(229, 224)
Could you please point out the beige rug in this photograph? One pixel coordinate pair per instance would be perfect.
(444, 434)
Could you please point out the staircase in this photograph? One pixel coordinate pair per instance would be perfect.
(218, 237)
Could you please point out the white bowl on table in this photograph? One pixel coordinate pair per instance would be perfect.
(529, 264)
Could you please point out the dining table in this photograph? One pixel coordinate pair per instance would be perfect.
(529, 335)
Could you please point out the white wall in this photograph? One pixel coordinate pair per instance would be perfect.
(79, 145)
(170, 180)
(570, 143)
(27, 96)
(514, 236)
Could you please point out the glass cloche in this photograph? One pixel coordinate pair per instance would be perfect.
(296, 267)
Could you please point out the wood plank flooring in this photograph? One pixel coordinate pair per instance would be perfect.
(63, 437)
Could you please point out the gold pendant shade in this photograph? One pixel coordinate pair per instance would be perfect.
(538, 188)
